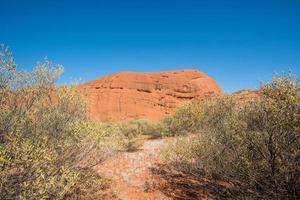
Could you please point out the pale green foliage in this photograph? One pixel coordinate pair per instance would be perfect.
(187, 117)
(134, 128)
(253, 144)
(98, 141)
(7, 67)
(168, 126)
(273, 138)
(37, 142)
(181, 151)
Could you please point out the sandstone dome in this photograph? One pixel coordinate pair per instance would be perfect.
(149, 95)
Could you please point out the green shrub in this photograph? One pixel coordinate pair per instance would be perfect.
(138, 127)
(272, 137)
(168, 126)
(99, 140)
(253, 144)
(187, 118)
(37, 138)
(181, 153)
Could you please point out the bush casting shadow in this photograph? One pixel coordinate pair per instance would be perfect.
(180, 185)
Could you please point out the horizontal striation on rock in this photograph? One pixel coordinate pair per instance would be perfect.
(150, 95)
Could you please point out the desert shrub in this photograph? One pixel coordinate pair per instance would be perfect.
(132, 129)
(168, 126)
(138, 127)
(187, 118)
(181, 153)
(146, 127)
(100, 140)
(272, 137)
(142, 126)
(216, 143)
(253, 144)
(37, 141)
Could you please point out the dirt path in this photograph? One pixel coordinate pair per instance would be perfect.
(130, 173)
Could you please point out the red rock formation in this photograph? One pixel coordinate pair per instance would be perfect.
(150, 95)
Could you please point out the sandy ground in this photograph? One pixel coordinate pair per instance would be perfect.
(130, 173)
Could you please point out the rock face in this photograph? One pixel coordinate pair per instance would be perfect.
(150, 95)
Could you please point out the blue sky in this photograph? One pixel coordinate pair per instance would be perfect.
(237, 43)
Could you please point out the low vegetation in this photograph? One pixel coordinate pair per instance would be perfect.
(48, 146)
(251, 144)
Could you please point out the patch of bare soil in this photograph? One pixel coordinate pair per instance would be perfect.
(142, 175)
(130, 173)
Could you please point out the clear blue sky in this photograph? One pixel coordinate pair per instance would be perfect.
(235, 42)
